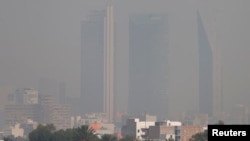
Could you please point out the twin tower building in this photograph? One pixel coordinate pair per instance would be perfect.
(147, 66)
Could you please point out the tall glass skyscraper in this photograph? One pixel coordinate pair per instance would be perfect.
(210, 91)
(205, 70)
(148, 49)
(97, 63)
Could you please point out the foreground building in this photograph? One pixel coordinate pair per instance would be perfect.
(136, 128)
(159, 130)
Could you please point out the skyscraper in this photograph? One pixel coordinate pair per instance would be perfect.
(148, 44)
(97, 62)
(210, 93)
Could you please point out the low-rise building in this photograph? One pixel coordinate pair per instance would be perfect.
(178, 133)
(136, 128)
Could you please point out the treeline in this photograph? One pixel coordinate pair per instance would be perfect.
(83, 133)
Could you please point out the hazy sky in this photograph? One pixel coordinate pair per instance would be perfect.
(42, 39)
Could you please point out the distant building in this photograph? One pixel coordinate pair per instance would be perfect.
(97, 63)
(148, 117)
(201, 120)
(62, 93)
(26, 96)
(206, 70)
(88, 119)
(48, 86)
(19, 113)
(43, 112)
(52, 112)
(5, 92)
(148, 53)
(238, 115)
(210, 90)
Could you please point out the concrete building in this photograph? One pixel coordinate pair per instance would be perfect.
(238, 115)
(62, 93)
(148, 49)
(136, 128)
(4, 99)
(186, 132)
(201, 120)
(43, 112)
(178, 133)
(19, 113)
(161, 132)
(52, 112)
(148, 117)
(48, 86)
(97, 63)
(26, 96)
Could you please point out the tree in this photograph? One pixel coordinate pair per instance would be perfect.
(61, 135)
(108, 137)
(220, 122)
(84, 133)
(6, 139)
(199, 136)
(42, 133)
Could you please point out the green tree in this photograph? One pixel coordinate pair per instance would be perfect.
(6, 139)
(84, 133)
(61, 135)
(200, 136)
(108, 137)
(42, 133)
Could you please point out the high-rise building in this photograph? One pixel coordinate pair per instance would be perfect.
(26, 96)
(148, 45)
(210, 92)
(62, 93)
(205, 71)
(48, 86)
(97, 63)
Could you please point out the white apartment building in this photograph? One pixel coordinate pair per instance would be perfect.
(136, 128)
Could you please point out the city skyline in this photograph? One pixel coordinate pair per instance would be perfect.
(43, 40)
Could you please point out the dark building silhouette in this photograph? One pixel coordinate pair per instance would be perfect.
(148, 45)
(62, 93)
(92, 62)
(205, 70)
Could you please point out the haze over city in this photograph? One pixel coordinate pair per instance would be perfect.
(41, 40)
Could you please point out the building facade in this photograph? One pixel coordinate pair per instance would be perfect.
(136, 128)
(97, 63)
(205, 71)
(148, 43)
(210, 91)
